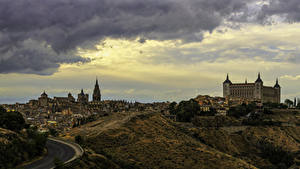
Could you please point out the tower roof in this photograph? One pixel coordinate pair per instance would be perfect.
(82, 93)
(44, 94)
(277, 84)
(97, 81)
(258, 79)
(227, 80)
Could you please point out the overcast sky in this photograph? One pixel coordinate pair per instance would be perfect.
(150, 50)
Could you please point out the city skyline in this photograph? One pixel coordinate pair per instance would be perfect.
(146, 51)
(97, 89)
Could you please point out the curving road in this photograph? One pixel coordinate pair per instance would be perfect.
(56, 148)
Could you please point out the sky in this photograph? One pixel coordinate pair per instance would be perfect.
(150, 50)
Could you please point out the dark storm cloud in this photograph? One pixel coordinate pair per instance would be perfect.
(35, 58)
(58, 27)
(289, 10)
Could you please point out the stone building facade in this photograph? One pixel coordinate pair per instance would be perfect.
(252, 91)
(43, 100)
(83, 98)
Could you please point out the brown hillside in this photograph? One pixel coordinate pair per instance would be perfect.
(253, 143)
(152, 141)
(11, 148)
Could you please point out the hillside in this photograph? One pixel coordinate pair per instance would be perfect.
(18, 141)
(152, 141)
(149, 140)
(14, 156)
(17, 148)
(264, 147)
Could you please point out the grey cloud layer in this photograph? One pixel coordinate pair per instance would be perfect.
(288, 9)
(36, 36)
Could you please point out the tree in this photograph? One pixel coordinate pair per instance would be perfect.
(172, 108)
(241, 110)
(288, 102)
(11, 120)
(36, 142)
(186, 110)
(40, 142)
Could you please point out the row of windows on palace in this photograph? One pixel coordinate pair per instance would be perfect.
(249, 93)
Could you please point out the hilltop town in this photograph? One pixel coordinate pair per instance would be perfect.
(200, 124)
(65, 113)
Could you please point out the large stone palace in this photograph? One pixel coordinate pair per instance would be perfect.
(252, 91)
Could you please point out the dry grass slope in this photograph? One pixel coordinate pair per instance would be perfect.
(151, 141)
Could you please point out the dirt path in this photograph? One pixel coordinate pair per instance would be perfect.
(104, 123)
(234, 129)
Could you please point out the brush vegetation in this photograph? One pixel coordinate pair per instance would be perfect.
(18, 141)
(149, 140)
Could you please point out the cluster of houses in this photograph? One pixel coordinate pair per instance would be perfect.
(62, 113)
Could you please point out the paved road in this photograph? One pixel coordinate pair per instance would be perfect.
(55, 149)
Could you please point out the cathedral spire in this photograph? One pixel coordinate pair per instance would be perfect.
(96, 93)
